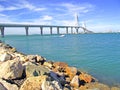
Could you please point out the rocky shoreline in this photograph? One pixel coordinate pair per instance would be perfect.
(33, 72)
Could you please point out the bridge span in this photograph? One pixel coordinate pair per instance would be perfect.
(26, 26)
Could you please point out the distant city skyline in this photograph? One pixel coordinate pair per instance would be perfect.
(99, 15)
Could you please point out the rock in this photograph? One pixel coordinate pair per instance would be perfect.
(2, 87)
(34, 70)
(71, 72)
(94, 86)
(60, 66)
(40, 58)
(115, 88)
(7, 86)
(58, 78)
(48, 64)
(51, 85)
(67, 87)
(85, 77)
(27, 63)
(36, 58)
(5, 57)
(33, 83)
(75, 82)
(21, 57)
(11, 69)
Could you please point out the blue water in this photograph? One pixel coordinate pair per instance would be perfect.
(97, 54)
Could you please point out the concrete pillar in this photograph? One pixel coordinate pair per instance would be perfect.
(77, 29)
(41, 30)
(26, 28)
(57, 30)
(2, 31)
(51, 30)
(67, 30)
(71, 30)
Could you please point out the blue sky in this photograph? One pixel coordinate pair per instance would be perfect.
(99, 15)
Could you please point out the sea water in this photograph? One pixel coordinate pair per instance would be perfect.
(97, 54)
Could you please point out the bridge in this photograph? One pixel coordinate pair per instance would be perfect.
(26, 26)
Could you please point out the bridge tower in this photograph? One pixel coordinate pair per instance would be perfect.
(76, 20)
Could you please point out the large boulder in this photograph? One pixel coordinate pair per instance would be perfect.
(33, 83)
(7, 86)
(34, 70)
(5, 56)
(11, 69)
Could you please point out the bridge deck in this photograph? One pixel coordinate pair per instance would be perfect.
(26, 26)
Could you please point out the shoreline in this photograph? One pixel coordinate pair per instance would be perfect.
(18, 70)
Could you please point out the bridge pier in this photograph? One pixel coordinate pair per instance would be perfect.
(67, 30)
(77, 29)
(26, 29)
(41, 30)
(71, 30)
(51, 30)
(58, 30)
(2, 31)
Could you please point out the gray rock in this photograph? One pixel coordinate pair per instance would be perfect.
(11, 69)
(58, 78)
(34, 70)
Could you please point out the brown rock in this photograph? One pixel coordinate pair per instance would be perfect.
(33, 83)
(60, 66)
(75, 82)
(71, 72)
(87, 78)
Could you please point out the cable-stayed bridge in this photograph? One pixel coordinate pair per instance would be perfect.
(41, 27)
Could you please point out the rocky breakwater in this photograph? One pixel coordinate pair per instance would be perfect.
(33, 72)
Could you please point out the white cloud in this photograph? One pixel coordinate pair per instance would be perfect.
(2, 15)
(30, 6)
(22, 4)
(39, 9)
(46, 17)
(78, 8)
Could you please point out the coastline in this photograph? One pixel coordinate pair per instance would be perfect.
(32, 72)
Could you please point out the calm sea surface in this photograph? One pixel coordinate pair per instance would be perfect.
(97, 54)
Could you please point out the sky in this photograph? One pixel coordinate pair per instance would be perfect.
(99, 15)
